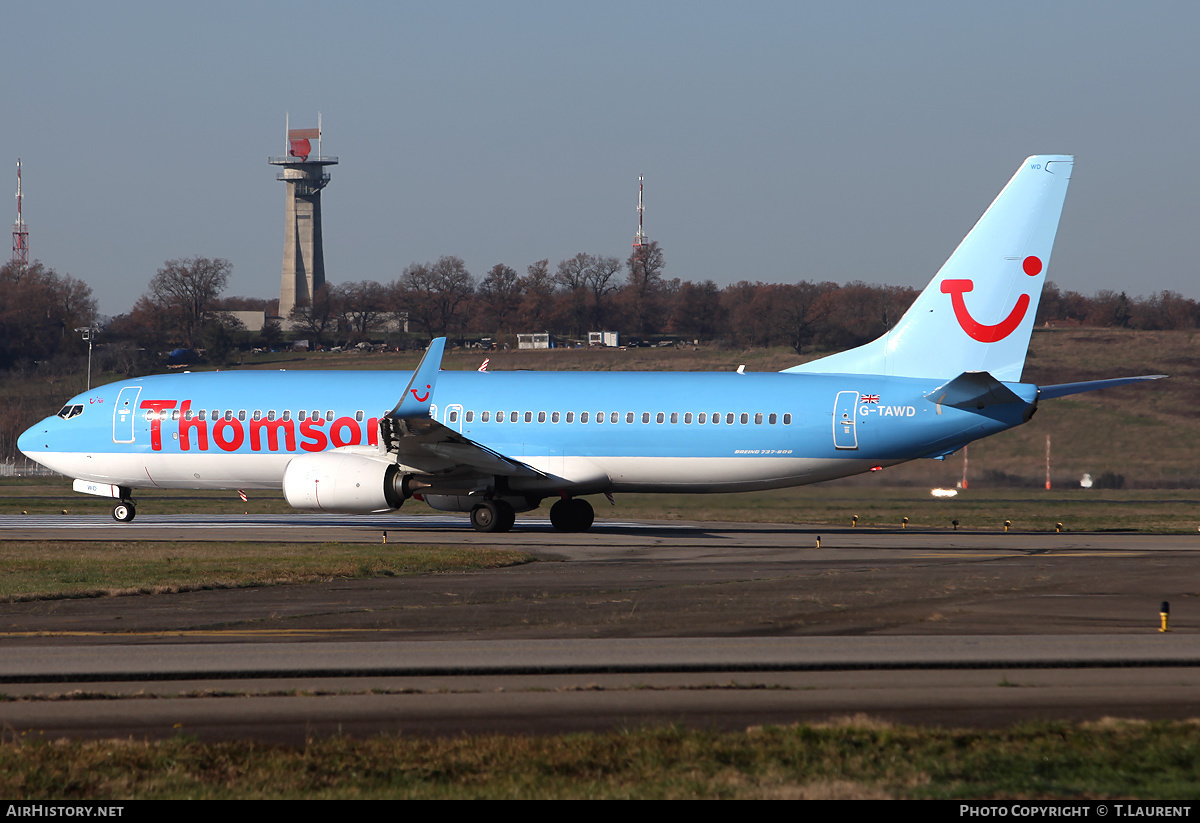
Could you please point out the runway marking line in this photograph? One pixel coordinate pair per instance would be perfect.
(198, 633)
(1033, 553)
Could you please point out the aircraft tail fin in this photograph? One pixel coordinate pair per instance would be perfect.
(977, 313)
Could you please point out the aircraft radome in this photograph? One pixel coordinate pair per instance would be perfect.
(497, 443)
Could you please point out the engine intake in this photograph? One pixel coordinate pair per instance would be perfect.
(343, 483)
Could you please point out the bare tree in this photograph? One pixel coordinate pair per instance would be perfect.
(539, 299)
(364, 307)
(601, 279)
(644, 288)
(436, 294)
(39, 311)
(501, 293)
(184, 290)
(318, 320)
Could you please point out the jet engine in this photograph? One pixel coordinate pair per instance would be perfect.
(343, 483)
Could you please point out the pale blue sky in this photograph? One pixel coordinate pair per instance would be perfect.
(780, 141)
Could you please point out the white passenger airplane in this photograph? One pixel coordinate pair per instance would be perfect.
(496, 443)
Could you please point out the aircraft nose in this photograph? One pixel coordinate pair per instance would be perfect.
(35, 439)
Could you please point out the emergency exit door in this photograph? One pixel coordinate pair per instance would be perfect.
(844, 434)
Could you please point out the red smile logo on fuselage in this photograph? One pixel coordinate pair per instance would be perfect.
(981, 331)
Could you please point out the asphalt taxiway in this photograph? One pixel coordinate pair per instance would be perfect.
(713, 624)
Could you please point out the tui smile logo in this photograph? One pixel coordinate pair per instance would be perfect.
(421, 399)
(981, 331)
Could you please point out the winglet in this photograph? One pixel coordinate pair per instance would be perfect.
(418, 395)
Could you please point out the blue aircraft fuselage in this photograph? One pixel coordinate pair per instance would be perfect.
(604, 431)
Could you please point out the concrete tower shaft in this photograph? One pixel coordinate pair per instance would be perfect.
(303, 247)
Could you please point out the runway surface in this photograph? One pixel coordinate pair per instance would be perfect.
(711, 624)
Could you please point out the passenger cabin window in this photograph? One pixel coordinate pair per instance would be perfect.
(242, 414)
(470, 417)
(628, 417)
(484, 417)
(554, 417)
(645, 417)
(787, 419)
(358, 415)
(271, 414)
(541, 417)
(257, 415)
(773, 418)
(528, 417)
(453, 415)
(570, 417)
(702, 418)
(583, 417)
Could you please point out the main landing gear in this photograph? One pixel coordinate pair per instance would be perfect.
(493, 516)
(567, 515)
(572, 515)
(124, 511)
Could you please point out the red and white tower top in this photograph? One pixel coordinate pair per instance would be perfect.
(20, 248)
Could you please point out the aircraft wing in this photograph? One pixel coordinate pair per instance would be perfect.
(422, 443)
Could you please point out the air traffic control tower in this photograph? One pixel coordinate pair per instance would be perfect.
(303, 253)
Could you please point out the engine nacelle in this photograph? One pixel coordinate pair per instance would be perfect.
(343, 483)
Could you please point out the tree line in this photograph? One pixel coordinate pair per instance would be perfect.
(184, 306)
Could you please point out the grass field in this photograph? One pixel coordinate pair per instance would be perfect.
(856, 759)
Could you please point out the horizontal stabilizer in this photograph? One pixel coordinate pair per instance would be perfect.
(1064, 389)
(973, 390)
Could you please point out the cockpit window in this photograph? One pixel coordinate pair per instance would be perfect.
(69, 411)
